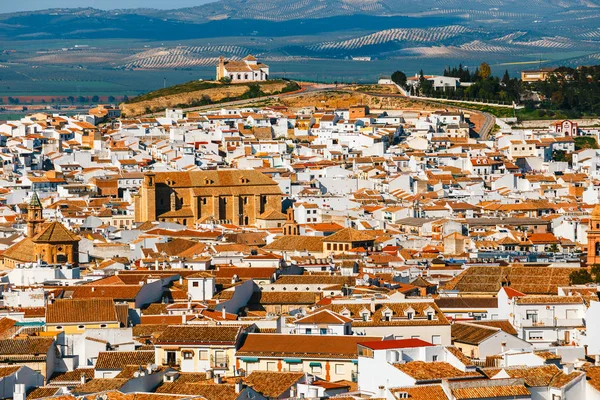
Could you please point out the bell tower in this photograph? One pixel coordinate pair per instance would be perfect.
(290, 228)
(34, 216)
(593, 235)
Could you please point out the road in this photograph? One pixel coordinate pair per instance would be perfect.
(484, 131)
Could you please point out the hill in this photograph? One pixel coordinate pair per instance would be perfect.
(195, 93)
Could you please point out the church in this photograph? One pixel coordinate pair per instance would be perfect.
(49, 242)
(246, 70)
(226, 196)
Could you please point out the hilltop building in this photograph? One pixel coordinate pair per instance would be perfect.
(202, 196)
(537, 75)
(246, 70)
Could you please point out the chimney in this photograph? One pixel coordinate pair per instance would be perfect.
(183, 319)
(218, 379)
(597, 360)
(82, 379)
(181, 280)
(223, 313)
(209, 374)
(19, 392)
(503, 345)
(93, 289)
(372, 305)
(568, 368)
(382, 392)
(238, 386)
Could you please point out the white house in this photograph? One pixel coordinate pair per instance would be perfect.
(247, 70)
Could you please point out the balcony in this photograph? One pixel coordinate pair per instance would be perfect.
(219, 362)
(549, 322)
(171, 362)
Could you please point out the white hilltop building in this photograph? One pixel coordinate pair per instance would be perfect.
(246, 70)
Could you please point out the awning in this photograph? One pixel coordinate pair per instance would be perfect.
(292, 360)
(249, 359)
(315, 364)
(354, 361)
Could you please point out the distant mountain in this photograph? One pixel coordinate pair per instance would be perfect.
(282, 30)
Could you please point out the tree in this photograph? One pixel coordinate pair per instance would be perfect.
(71, 99)
(95, 99)
(485, 71)
(111, 99)
(226, 80)
(506, 78)
(580, 277)
(399, 78)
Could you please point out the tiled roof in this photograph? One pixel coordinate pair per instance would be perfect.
(427, 371)
(99, 385)
(350, 235)
(272, 384)
(117, 360)
(81, 311)
(472, 334)
(41, 392)
(72, 376)
(199, 334)
(545, 375)
(34, 346)
(6, 371)
(466, 302)
(422, 392)
(501, 324)
(55, 232)
(528, 280)
(296, 243)
(323, 317)
(485, 392)
(550, 300)
(206, 391)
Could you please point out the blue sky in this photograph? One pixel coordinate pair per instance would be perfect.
(26, 5)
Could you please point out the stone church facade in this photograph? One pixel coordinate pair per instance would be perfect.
(226, 196)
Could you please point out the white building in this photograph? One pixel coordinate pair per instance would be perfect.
(247, 70)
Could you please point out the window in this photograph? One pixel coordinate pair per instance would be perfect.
(323, 331)
(195, 284)
(410, 315)
(430, 316)
(81, 327)
(203, 354)
(308, 331)
(531, 315)
(339, 369)
(315, 369)
(103, 326)
(436, 339)
(536, 335)
(188, 355)
(415, 337)
(434, 358)
(295, 367)
(271, 366)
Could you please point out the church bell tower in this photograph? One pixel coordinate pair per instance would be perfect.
(34, 216)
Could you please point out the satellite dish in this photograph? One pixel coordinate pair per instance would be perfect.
(366, 277)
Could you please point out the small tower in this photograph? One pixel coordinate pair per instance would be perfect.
(34, 216)
(290, 228)
(593, 235)
(221, 68)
